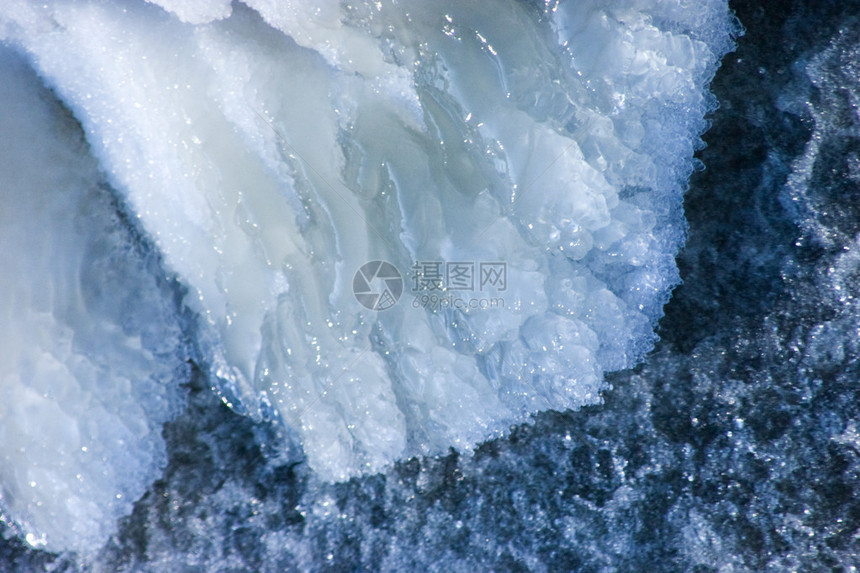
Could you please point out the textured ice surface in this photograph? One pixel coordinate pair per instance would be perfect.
(732, 448)
(89, 348)
(270, 149)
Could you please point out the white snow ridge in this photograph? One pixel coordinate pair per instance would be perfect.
(269, 150)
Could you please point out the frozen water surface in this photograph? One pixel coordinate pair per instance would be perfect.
(250, 157)
(91, 351)
(270, 151)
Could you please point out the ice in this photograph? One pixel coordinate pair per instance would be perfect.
(90, 348)
(733, 446)
(195, 12)
(269, 150)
